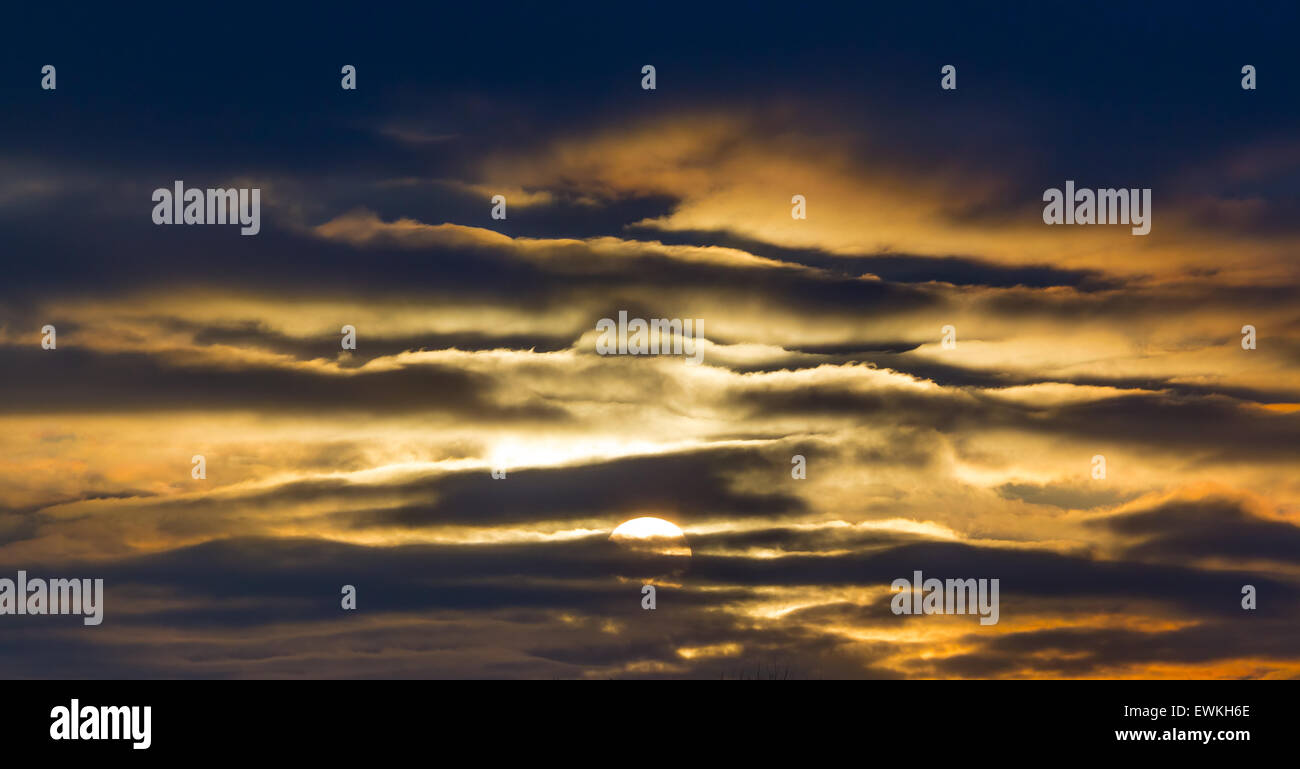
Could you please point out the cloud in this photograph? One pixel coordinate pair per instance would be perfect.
(1215, 524)
(476, 351)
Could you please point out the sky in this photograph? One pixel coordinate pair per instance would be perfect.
(821, 338)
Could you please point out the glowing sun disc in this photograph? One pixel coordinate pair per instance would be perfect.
(640, 528)
(652, 535)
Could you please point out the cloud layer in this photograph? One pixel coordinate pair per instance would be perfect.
(822, 339)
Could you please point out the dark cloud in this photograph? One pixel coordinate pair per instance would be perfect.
(1091, 651)
(253, 334)
(73, 380)
(1023, 574)
(950, 375)
(1064, 496)
(682, 487)
(1210, 424)
(1215, 527)
(903, 268)
(255, 585)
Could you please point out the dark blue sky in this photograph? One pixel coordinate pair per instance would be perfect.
(259, 88)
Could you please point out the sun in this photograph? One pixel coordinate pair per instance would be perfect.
(647, 526)
(651, 535)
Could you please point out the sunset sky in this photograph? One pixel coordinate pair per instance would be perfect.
(476, 342)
